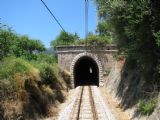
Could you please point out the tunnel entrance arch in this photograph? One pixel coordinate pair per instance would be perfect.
(86, 72)
(86, 69)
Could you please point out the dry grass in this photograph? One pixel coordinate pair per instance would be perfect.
(29, 91)
(11, 109)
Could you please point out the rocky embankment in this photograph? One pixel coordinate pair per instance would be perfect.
(128, 89)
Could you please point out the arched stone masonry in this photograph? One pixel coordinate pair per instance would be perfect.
(94, 57)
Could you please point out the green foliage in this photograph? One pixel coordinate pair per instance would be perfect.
(36, 83)
(147, 107)
(103, 28)
(11, 66)
(104, 31)
(65, 39)
(50, 59)
(73, 39)
(44, 60)
(7, 38)
(28, 47)
(157, 35)
(28, 75)
(13, 44)
(97, 40)
(134, 27)
(48, 74)
(48, 69)
(12, 71)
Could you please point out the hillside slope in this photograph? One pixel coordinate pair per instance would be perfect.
(129, 89)
(31, 89)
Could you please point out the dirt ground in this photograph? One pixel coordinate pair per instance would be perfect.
(61, 107)
(114, 106)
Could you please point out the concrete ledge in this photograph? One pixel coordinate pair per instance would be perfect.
(86, 48)
(79, 51)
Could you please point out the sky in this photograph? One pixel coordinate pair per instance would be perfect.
(30, 17)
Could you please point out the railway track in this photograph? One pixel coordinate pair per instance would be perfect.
(84, 107)
(87, 105)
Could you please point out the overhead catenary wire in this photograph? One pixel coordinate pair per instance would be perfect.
(53, 16)
(86, 18)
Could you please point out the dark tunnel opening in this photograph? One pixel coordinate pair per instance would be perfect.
(86, 72)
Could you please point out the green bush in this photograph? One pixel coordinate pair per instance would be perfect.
(29, 56)
(47, 74)
(11, 65)
(147, 107)
(50, 59)
(13, 70)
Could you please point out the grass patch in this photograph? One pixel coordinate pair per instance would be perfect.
(147, 107)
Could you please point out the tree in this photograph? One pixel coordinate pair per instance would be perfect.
(35, 45)
(103, 29)
(13, 44)
(7, 41)
(96, 40)
(65, 39)
(133, 24)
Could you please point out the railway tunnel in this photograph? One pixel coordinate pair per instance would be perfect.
(86, 72)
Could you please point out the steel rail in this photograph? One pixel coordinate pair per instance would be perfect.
(92, 104)
(80, 102)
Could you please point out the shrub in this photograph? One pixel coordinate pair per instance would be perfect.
(15, 69)
(48, 92)
(47, 74)
(147, 107)
(50, 59)
(11, 65)
(66, 77)
(37, 101)
(36, 83)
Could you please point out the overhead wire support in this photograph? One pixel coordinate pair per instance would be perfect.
(53, 16)
(86, 18)
(86, 22)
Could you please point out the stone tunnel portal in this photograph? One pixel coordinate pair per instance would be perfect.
(86, 72)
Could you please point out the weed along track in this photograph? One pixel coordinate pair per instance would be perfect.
(87, 105)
